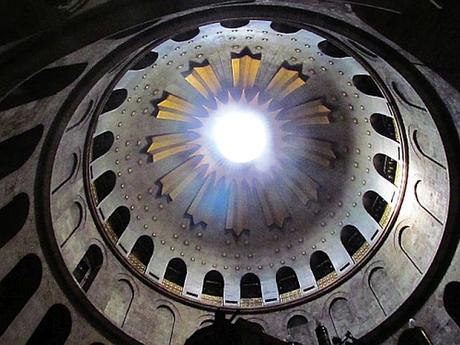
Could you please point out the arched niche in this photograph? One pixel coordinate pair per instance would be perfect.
(141, 253)
(118, 222)
(386, 166)
(54, 328)
(17, 287)
(250, 290)
(15, 151)
(288, 284)
(174, 278)
(383, 289)
(377, 207)
(384, 125)
(165, 322)
(322, 269)
(451, 301)
(354, 242)
(341, 316)
(298, 329)
(45, 83)
(213, 287)
(13, 217)
(120, 301)
(101, 144)
(104, 184)
(88, 267)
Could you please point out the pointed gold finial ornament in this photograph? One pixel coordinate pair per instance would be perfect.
(194, 166)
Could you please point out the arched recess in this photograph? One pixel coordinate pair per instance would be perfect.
(174, 278)
(411, 247)
(118, 222)
(116, 98)
(331, 49)
(384, 125)
(45, 83)
(298, 329)
(166, 321)
(366, 84)
(213, 288)
(17, 287)
(341, 316)
(54, 328)
(250, 290)
(377, 207)
(101, 144)
(13, 217)
(88, 267)
(354, 243)
(383, 289)
(288, 284)
(15, 151)
(120, 301)
(414, 336)
(104, 184)
(141, 253)
(146, 61)
(74, 217)
(451, 299)
(322, 269)
(387, 167)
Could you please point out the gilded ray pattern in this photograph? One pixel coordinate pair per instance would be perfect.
(221, 189)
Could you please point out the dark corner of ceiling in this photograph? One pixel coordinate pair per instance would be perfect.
(428, 29)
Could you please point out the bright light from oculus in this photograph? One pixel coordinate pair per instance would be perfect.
(240, 134)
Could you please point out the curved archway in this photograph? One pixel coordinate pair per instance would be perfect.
(213, 284)
(322, 269)
(288, 284)
(88, 267)
(174, 278)
(250, 290)
(141, 253)
(354, 242)
(54, 328)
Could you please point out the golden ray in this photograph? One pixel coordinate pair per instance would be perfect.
(309, 113)
(244, 71)
(174, 108)
(237, 207)
(284, 82)
(273, 206)
(178, 179)
(204, 80)
(167, 145)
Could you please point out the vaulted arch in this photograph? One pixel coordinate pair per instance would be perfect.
(354, 242)
(88, 267)
(174, 278)
(287, 283)
(141, 253)
(322, 269)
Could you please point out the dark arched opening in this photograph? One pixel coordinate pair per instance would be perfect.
(286, 280)
(17, 287)
(353, 242)
(88, 267)
(54, 328)
(141, 253)
(322, 268)
(250, 286)
(174, 278)
(451, 299)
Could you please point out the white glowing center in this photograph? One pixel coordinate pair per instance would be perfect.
(240, 135)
